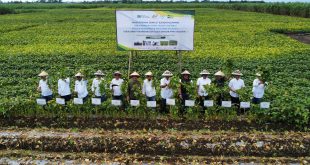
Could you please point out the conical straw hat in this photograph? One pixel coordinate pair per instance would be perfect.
(134, 74)
(167, 73)
(148, 73)
(258, 74)
(117, 72)
(43, 73)
(219, 73)
(204, 72)
(186, 72)
(237, 73)
(79, 75)
(99, 73)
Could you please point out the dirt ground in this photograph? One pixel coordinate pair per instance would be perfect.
(301, 37)
(38, 157)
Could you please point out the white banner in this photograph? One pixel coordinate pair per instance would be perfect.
(41, 101)
(265, 105)
(189, 103)
(151, 104)
(226, 104)
(60, 101)
(208, 103)
(170, 101)
(116, 102)
(245, 104)
(96, 101)
(155, 29)
(78, 101)
(134, 103)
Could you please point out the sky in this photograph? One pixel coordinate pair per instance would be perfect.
(164, 0)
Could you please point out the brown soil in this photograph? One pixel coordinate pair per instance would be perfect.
(36, 157)
(156, 142)
(140, 124)
(302, 37)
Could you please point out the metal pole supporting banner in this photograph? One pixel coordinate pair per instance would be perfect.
(178, 52)
(129, 62)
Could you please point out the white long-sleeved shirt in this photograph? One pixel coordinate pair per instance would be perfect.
(200, 83)
(45, 89)
(64, 87)
(166, 92)
(95, 87)
(148, 88)
(116, 86)
(81, 88)
(235, 85)
(258, 89)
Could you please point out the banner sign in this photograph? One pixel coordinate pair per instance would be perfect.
(116, 102)
(151, 104)
(245, 104)
(170, 101)
(155, 29)
(96, 101)
(226, 104)
(265, 105)
(41, 101)
(78, 101)
(60, 101)
(134, 103)
(189, 103)
(208, 103)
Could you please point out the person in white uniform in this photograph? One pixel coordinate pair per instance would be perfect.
(64, 90)
(166, 92)
(234, 85)
(258, 88)
(116, 85)
(96, 84)
(44, 88)
(80, 87)
(148, 88)
(201, 83)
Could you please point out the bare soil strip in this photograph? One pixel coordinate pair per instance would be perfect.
(301, 37)
(37, 157)
(240, 124)
(156, 142)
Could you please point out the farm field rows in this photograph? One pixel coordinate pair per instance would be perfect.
(37, 157)
(68, 40)
(63, 41)
(290, 9)
(159, 144)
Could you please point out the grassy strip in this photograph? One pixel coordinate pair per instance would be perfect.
(290, 9)
(90, 45)
(6, 10)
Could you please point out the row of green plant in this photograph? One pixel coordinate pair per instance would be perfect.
(60, 38)
(294, 113)
(290, 9)
(6, 10)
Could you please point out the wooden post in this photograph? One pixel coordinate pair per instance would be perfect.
(178, 52)
(129, 62)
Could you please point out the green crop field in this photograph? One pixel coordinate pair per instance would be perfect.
(66, 40)
(63, 39)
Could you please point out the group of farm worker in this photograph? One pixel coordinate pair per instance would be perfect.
(148, 88)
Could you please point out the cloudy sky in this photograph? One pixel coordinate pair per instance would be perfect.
(164, 0)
